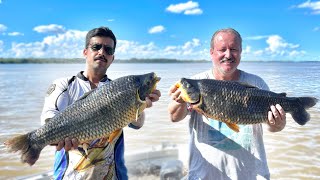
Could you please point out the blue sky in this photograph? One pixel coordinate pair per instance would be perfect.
(180, 29)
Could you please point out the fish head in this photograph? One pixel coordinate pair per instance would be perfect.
(190, 92)
(146, 84)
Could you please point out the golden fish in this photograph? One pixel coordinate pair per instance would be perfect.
(97, 114)
(237, 103)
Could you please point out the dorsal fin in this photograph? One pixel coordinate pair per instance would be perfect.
(246, 85)
(85, 94)
(283, 94)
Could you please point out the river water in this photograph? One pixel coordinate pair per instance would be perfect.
(292, 153)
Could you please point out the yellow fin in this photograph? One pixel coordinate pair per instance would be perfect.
(233, 126)
(113, 135)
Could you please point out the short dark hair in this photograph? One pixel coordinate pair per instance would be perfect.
(226, 30)
(102, 32)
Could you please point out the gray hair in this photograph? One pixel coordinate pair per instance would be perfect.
(230, 30)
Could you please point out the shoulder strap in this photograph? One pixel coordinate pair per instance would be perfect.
(64, 90)
(69, 82)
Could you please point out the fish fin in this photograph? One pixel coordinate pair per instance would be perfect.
(85, 94)
(206, 117)
(283, 94)
(246, 85)
(308, 102)
(233, 126)
(47, 120)
(140, 106)
(113, 135)
(82, 163)
(29, 153)
(301, 116)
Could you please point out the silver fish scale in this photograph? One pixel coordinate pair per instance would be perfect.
(106, 109)
(235, 103)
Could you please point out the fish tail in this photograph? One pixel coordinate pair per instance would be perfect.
(301, 116)
(308, 102)
(29, 154)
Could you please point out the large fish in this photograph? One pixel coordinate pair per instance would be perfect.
(238, 103)
(97, 114)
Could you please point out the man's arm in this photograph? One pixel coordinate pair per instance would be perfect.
(56, 100)
(276, 116)
(177, 107)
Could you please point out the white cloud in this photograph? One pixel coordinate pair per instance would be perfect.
(316, 29)
(191, 44)
(193, 11)
(67, 45)
(1, 46)
(277, 44)
(314, 6)
(295, 53)
(189, 50)
(246, 50)
(188, 8)
(170, 48)
(130, 49)
(52, 28)
(156, 29)
(3, 28)
(15, 34)
(110, 20)
(277, 48)
(71, 43)
(258, 53)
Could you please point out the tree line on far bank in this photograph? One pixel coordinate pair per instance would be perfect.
(81, 60)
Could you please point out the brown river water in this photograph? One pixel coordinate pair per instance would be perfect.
(292, 153)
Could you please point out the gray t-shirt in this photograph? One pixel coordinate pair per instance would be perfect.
(217, 152)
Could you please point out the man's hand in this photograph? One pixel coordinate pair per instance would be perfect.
(68, 144)
(174, 93)
(153, 97)
(276, 118)
(178, 107)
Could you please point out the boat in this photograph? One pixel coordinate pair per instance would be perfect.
(159, 162)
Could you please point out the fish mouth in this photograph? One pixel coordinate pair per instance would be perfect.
(185, 96)
(150, 85)
(155, 81)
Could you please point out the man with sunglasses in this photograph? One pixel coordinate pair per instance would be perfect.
(103, 160)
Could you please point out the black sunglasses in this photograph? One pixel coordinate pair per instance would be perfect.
(96, 47)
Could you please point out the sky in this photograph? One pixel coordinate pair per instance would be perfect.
(272, 30)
